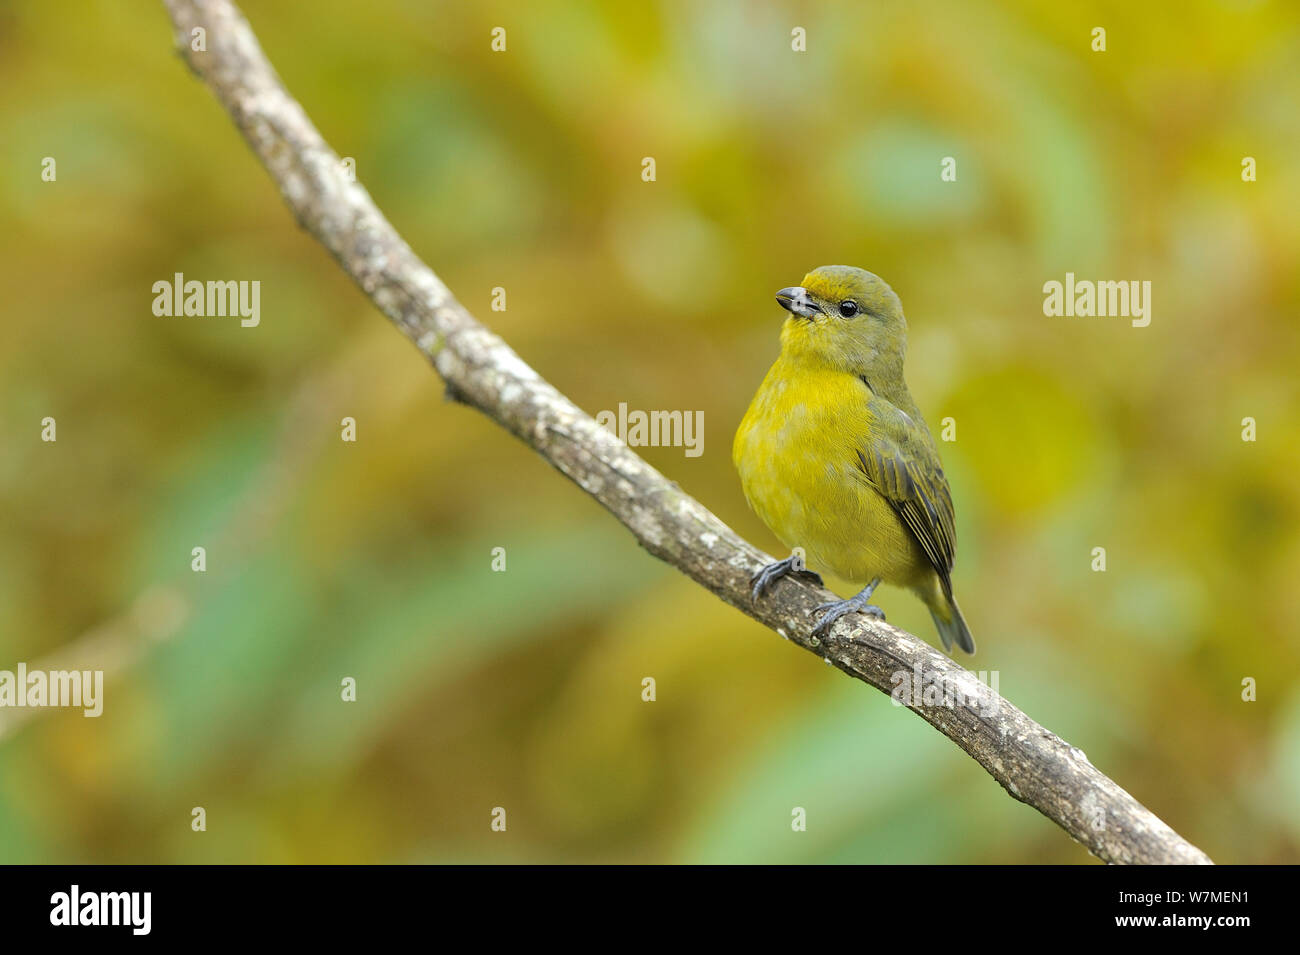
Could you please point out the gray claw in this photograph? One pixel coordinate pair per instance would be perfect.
(838, 608)
(792, 566)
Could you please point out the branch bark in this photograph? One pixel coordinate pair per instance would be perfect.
(1034, 765)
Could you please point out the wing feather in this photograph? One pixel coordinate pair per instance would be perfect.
(899, 460)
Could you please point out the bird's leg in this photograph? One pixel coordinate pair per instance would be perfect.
(838, 608)
(792, 566)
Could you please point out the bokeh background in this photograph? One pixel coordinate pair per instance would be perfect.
(522, 170)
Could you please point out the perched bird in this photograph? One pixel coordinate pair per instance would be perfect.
(836, 459)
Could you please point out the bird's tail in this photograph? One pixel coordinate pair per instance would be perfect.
(952, 625)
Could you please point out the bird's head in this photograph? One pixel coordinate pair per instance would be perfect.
(844, 318)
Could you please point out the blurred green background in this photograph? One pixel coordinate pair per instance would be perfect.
(522, 170)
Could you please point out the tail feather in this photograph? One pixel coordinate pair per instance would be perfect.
(954, 629)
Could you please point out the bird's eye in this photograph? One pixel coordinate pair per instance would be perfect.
(848, 308)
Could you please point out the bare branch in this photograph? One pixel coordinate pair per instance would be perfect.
(1032, 764)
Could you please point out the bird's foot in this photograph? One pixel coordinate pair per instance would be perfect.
(838, 608)
(792, 566)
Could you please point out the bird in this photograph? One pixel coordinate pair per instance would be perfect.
(835, 458)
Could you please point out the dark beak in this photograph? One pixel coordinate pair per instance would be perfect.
(797, 301)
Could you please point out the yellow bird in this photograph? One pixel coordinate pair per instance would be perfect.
(836, 459)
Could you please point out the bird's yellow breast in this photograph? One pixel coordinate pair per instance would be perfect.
(796, 451)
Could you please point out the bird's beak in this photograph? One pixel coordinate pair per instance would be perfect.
(797, 301)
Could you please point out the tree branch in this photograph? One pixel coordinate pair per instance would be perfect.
(1034, 765)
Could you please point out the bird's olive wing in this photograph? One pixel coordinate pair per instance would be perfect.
(900, 462)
